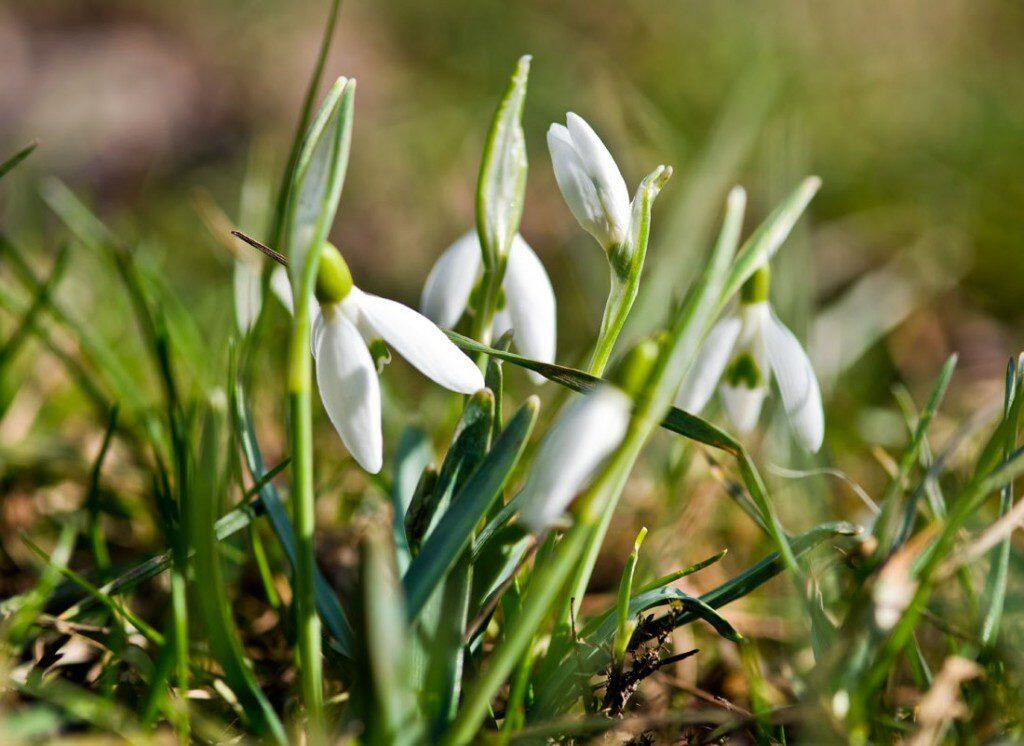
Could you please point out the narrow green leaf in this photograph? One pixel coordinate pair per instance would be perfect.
(885, 528)
(385, 699)
(17, 158)
(624, 620)
(502, 182)
(995, 583)
(442, 622)
(109, 603)
(455, 530)
(598, 633)
(29, 319)
(327, 603)
(209, 587)
(24, 615)
(413, 455)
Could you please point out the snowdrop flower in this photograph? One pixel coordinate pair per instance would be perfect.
(590, 181)
(529, 309)
(347, 320)
(589, 429)
(741, 354)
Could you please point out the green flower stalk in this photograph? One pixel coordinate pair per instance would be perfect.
(316, 188)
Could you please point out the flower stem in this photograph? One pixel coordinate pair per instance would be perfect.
(487, 303)
(307, 622)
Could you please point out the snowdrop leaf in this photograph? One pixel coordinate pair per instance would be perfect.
(412, 457)
(327, 603)
(502, 181)
(385, 696)
(440, 626)
(455, 530)
(316, 181)
(678, 421)
(470, 443)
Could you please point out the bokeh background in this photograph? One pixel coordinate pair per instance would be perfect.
(912, 112)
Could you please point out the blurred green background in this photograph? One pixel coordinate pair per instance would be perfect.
(911, 111)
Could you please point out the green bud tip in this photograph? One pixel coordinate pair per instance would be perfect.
(632, 373)
(333, 278)
(756, 288)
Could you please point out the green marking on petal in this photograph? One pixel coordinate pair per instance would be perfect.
(743, 371)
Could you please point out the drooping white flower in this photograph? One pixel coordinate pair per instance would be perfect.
(345, 370)
(589, 429)
(529, 309)
(591, 183)
(742, 353)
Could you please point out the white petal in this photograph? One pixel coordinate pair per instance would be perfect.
(451, 280)
(603, 171)
(707, 370)
(419, 341)
(575, 184)
(350, 390)
(248, 292)
(743, 405)
(501, 323)
(801, 397)
(315, 330)
(589, 429)
(282, 287)
(530, 302)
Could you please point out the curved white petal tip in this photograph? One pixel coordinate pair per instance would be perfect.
(419, 341)
(798, 385)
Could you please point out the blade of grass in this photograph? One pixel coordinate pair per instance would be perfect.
(17, 338)
(17, 158)
(995, 584)
(599, 631)
(885, 528)
(110, 604)
(209, 587)
(28, 608)
(94, 529)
